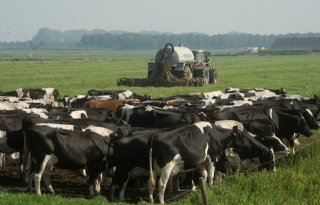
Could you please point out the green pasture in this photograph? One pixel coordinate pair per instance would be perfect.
(76, 75)
(297, 180)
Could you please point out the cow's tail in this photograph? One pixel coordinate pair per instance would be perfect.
(151, 175)
(26, 157)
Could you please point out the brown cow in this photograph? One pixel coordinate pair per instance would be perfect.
(111, 105)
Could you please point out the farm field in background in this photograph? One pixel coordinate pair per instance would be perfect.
(73, 76)
(297, 178)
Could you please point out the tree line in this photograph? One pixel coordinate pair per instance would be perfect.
(122, 40)
(191, 40)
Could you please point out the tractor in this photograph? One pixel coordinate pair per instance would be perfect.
(185, 63)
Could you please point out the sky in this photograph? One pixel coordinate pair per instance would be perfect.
(21, 19)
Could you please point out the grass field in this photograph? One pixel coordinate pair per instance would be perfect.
(297, 178)
(72, 76)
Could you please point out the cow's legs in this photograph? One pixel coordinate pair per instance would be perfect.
(38, 174)
(47, 180)
(2, 160)
(133, 174)
(83, 172)
(203, 171)
(124, 186)
(164, 177)
(176, 183)
(173, 184)
(94, 184)
(26, 163)
(99, 181)
(29, 174)
(203, 191)
(111, 193)
(26, 156)
(170, 184)
(207, 170)
(293, 141)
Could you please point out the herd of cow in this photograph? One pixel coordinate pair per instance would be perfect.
(123, 136)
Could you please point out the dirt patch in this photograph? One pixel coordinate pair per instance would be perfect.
(65, 182)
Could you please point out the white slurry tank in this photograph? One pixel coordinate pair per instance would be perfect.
(185, 63)
(180, 55)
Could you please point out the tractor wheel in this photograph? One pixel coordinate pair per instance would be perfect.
(202, 73)
(212, 76)
(206, 75)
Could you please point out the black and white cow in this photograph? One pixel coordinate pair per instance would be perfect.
(294, 106)
(63, 146)
(117, 95)
(51, 94)
(185, 147)
(313, 101)
(75, 102)
(13, 105)
(195, 147)
(186, 98)
(32, 119)
(11, 124)
(21, 103)
(286, 122)
(260, 92)
(39, 93)
(11, 133)
(233, 162)
(130, 157)
(140, 116)
(99, 114)
(261, 130)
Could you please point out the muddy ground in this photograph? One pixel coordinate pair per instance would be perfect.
(67, 183)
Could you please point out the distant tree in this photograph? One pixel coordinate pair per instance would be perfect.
(49, 36)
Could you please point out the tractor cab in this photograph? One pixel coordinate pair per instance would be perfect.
(201, 58)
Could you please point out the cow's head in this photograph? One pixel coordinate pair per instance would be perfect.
(293, 123)
(316, 99)
(303, 127)
(273, 142)
(280, 91)
(56, 94)
(267, 161)
(65, 101)
(249, 147)
(310, 119)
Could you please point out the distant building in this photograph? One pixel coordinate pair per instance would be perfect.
(253, 50)
(297, 43)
